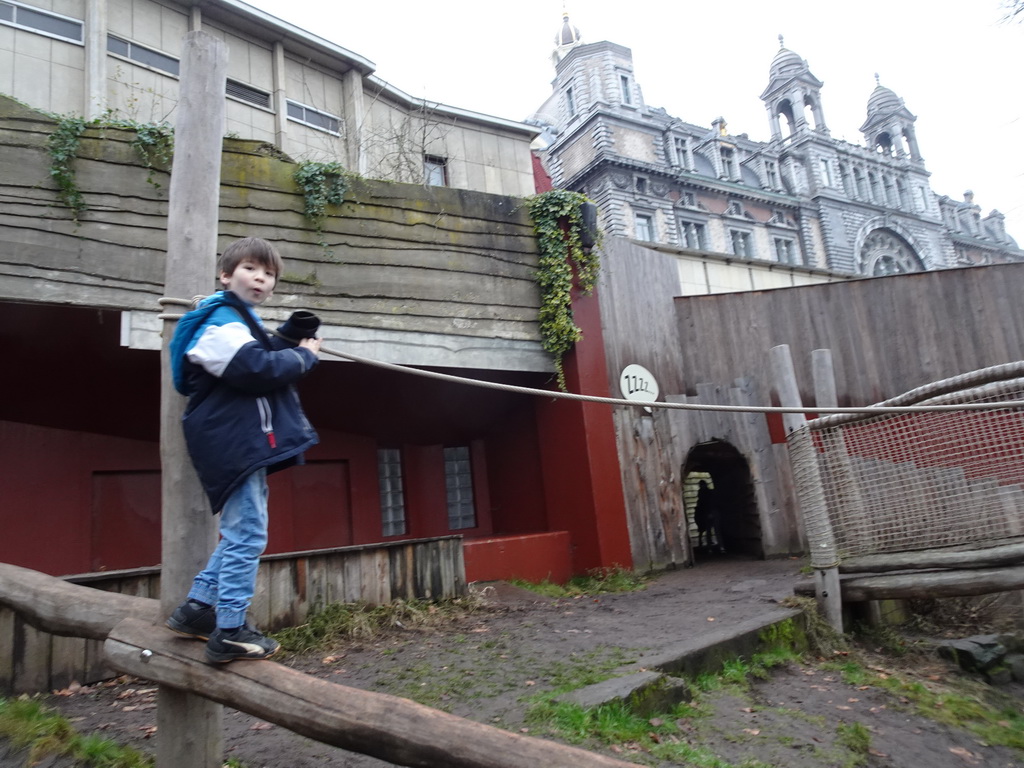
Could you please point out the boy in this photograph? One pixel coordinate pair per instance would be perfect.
(243, 421)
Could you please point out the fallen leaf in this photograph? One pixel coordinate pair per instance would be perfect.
(853, 701)
(261, 726)
(752, 731)
(966, 754)
(747, 709)
(843, 707)
(876, 753)
(524, 730)
(530, 682)
(711, 618)
(655, 722)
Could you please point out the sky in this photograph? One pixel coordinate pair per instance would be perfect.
(955, 63)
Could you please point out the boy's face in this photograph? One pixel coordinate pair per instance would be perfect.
(251, 282)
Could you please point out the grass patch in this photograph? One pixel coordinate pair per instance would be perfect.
(613, 727)
(359, 621)
(856, 738)
(992, 716)
(29, 725)
(600, 581)
(495, 668)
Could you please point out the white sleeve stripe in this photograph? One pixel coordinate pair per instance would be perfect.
(218, 346)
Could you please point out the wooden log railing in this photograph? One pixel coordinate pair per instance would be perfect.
(386, 727)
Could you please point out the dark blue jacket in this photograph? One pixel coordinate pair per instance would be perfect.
(243, 411)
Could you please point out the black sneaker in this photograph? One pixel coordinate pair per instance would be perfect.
(193, 619)
(245, 642)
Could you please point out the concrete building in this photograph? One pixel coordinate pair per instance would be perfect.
(309, 97)
(802, 199)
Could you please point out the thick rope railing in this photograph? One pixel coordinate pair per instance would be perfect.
(871, 409)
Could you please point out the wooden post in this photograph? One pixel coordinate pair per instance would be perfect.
(189, 728)
(826, 574)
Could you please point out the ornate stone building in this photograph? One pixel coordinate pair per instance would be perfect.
(802, 198)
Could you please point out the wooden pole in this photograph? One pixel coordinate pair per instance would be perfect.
(189, 728)
(826, 575)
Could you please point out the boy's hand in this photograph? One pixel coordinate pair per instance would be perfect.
(313, 345)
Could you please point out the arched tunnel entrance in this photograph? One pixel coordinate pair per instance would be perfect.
(727, 504)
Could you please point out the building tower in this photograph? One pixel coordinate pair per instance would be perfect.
(889, 127)
(792, 91)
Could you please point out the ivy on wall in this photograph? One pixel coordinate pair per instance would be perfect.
(63, 148)
(558, 221)
(154, 142)
(322, 184)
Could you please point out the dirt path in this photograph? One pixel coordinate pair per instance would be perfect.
(484, 668)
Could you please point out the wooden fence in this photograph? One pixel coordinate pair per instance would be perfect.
(288, 587)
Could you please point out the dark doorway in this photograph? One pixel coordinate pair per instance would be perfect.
(729, 493)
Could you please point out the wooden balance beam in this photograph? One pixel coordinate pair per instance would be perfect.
(388, 727)
(926, 584)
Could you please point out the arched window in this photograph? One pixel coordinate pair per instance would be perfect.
(785, 109)
(886, 253)
(884, 145)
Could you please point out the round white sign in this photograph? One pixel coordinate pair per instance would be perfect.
(637, 383)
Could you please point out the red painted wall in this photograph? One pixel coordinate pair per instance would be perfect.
(582, 480)
(47, 493)
(538, 557)
(80, 459)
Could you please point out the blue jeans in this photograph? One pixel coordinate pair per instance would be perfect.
(229, 579)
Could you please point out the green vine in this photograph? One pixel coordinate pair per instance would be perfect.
(557, 221)
(63, 148)
(322, 184)
(154, 143)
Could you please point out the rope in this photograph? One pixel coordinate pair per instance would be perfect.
(621, 401)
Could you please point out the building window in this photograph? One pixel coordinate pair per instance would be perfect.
(742, 245)
(922, 198)
(43, 22)
(641, 185)
(771, 172)
(458, 482)
(826, 172)
(570, 101)
(728, 163)
(314, 118)
(873, 187)
(684, 155)
(142, 55)
(627, 92)
(734, 208)
(243, 92)
(644, 227)
(890, 192)
(688, 199)
(858, 179)
(692, 235)
(392, 495)
(785, 251)
(435, 171)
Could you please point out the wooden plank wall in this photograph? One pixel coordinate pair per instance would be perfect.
(288, 587)
(392, 257)
(887, 335)
(636, 286)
